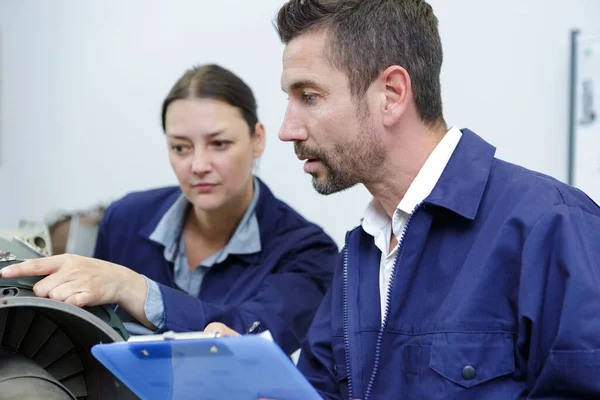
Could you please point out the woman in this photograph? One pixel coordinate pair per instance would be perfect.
(217, 248)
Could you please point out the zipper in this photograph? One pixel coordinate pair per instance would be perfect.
(388, 301)
(345, 316)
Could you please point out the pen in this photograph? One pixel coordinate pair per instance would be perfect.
(254, 328)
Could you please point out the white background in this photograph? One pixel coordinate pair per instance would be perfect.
(82, 83)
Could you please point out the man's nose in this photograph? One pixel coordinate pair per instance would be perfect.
(292, 128)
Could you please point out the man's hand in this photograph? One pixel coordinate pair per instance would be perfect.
(81, 281)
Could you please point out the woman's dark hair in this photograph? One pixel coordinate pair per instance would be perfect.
(214, 82)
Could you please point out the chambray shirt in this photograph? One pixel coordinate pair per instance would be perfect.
(169, 233)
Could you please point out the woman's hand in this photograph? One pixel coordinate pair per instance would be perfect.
(221, 329)
(82, 281)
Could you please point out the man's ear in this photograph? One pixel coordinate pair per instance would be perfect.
(396, 94)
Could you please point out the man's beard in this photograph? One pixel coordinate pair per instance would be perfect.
(346, 164)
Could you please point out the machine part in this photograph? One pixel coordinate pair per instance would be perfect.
(23, 287)
(36, 236)
(9, 292)
(33, 235)
(35, 243)
(17, 248)
(56, 338)
(22, 378)
(45, 345)
(7, 256)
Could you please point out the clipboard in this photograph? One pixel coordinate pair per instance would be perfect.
(197, 365)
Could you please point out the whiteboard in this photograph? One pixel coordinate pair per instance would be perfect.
(584, 165)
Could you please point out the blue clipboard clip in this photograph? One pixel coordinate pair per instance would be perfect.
(199, 365)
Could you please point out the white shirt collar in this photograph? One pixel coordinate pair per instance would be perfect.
(375, 218)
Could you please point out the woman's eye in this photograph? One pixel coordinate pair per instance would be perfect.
(221, 144)
(177, 148)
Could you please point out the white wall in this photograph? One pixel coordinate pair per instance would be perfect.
(82, 83)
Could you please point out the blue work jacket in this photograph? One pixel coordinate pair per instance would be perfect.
(495, 294)
(281, 286)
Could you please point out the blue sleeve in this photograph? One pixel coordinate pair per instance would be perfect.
(316, 359)
(285, 303)
(153, 306)
(559, 306)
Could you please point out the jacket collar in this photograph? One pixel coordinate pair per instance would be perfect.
(463, 182)
(265, 213)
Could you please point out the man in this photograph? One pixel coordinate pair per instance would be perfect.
(469, 277)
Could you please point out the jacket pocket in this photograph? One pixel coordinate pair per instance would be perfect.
(469, 359)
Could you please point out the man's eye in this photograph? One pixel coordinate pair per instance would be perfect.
(310, 98)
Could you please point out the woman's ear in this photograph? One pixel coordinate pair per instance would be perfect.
(258, 140)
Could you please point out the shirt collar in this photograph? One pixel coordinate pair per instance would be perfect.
(245, 239)
(169, 227)
(375, 218)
